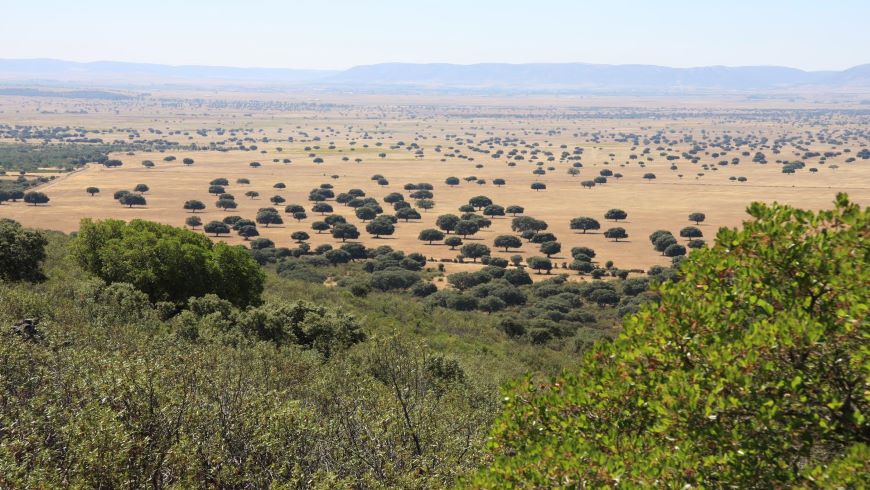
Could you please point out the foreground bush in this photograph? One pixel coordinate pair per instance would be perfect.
(752, 372)
(167, 263)
(21, 252)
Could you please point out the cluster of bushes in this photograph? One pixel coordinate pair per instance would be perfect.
(114, 385)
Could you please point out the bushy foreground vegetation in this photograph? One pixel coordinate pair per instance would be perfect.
(752, 373)
(136, 359)
(110, 387)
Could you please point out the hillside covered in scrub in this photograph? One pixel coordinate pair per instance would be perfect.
(142, 355)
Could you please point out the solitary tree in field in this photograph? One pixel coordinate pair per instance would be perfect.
(345, 231)
(407, 214)
(550, 248)
(276, 200)
(615, 214)
(521, 224)
(425, 204)
(514, 210)
(320, 226)
(193, 205)
(538, 186)
(393, 197)
(131, 200)
(649, 176)
(216, 189)
(480, 202)
(453, 242)
(252, 194)
(322, 208)
(585, 223)
(248, 231)
(299, 236)
(507, 242)
(452, 181)
(366, 213)
(616, 233)
(187, 161)
(220, 181)
(474, 251)
(582, 266)
(147, 164)
(141, 188)
(226, 204)
(193, 222)
(431, 235)
(588, 184)
(216, 228)
(269, 217)
(421, 194)
(380, 226)
(493, 210)
(540, 264)
(93, 191)
(33, 198)
(675, 250)
(498, 182)
(467, 227)
(691, 232)
(698, 218)
(447, 222)
(542, 236)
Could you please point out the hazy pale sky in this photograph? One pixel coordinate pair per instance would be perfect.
(808, 34)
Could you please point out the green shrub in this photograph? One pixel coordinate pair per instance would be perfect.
(167, 263)
(751, 373)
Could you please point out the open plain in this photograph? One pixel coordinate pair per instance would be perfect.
(656, 159)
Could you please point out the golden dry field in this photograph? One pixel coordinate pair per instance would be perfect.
(427, 140)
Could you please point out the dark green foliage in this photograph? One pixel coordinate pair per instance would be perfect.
(474, 251)
(391, 279)
(21, 252)
(431, 235)
(68, 156)
(167, 263)
(616, 233)
(584, 224)
(540, 264)
(345, 231)
(216, 228)
(615, 214)
(507, 242)
(193, 221)
(35, 197)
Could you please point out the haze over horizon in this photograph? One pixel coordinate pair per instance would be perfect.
(339, 34)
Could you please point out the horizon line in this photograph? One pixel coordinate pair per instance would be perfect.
(194, 65)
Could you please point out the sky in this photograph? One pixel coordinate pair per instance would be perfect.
(338, 34)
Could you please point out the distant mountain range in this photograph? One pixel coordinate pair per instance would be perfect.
(483, 77)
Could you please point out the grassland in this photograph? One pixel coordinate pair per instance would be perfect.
(428, 140)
